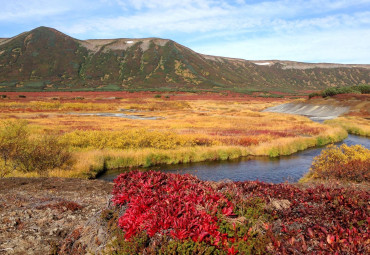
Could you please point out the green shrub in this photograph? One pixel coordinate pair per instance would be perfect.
(360, 89)
(315, 94)
(363, 88)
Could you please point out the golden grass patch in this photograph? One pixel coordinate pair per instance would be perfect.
(187, 131)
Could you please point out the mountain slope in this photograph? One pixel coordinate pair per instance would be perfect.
(46, 59)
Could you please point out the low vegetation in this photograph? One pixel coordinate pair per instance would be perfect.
(20, 151)
(188, 129)
(180, 214)
(353, 124)
(158, 213)
(329, 92)
(346, 163)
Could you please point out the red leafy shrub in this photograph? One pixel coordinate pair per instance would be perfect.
(240, 217)
(355, 170)
(319, 220)
(178, 205)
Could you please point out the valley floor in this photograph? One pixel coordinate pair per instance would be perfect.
(187, 128)
(75, 216)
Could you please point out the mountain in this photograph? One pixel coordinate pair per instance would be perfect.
(45, 59)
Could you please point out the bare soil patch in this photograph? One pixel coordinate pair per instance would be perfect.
(43, 215)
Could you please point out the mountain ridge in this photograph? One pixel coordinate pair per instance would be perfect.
(47, 59)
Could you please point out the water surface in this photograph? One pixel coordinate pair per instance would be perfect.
(276, 170)
(120, 115)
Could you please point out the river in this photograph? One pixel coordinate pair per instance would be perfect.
(275, 170)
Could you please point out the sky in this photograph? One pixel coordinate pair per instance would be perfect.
(308, 31)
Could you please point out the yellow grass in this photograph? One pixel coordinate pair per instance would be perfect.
(57, 106)
(91, 163)
(353, 125)
(287, 146)
(188, 131)
(336, 162)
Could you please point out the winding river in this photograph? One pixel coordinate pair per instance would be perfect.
(275, 170)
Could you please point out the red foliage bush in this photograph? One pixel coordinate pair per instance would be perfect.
(355, 170)
(179, 205)
(315, 220)
(320, 220)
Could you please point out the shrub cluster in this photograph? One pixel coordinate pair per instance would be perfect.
(174, 214)
(158, 202)
(191, 215)
(351, 163)
(360, 89)
(20, 150)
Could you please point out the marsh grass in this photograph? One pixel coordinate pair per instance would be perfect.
(91, 163)
(290, 145)
(353, 125)
(57, 106)
(190, 131)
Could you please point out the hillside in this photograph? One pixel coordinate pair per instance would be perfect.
(45, 59)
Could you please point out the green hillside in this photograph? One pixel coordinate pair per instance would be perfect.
(46, 59)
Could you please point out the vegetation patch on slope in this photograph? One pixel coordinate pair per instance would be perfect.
(329, 92)
(47, 60)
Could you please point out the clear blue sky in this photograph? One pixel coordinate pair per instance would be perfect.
(309, 31)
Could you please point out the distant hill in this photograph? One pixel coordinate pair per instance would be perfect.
(45, 59)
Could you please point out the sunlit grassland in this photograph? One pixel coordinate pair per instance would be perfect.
(187, 131)
(353, 124)
(92, 162)
(55, 106)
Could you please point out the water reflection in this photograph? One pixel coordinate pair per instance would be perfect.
(275, 170)
(120, 115)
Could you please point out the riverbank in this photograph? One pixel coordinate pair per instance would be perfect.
(275, 170)
(352, 124)
(92, 163)
(192, 130)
